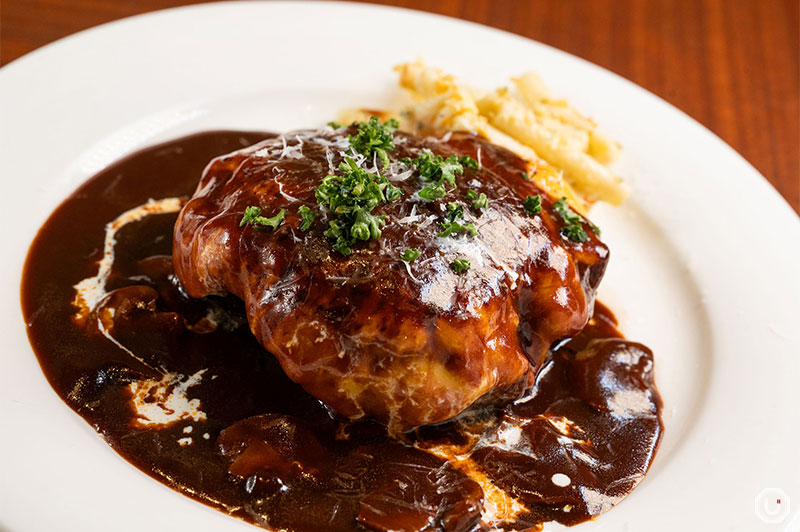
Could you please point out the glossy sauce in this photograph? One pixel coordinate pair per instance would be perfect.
(409, 344)
(183, 391)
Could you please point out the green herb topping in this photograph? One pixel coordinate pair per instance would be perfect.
(455, 211)
(435, 172)
(410, 254)
(308, 217)
(460, 265)
(468, 162)
(252, 216)
(575, 233)
(351, 198)
(432, 192)
(525, 176)
(452, 228)
(533, 204)
(481, 202)
(573, 229)
(335, 125)
(434, 168)
(374, 138)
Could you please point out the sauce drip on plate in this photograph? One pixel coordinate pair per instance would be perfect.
(182, 390)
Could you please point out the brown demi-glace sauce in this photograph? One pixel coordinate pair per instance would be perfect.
(255, 445)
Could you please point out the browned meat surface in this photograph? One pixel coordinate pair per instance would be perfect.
(368, 334)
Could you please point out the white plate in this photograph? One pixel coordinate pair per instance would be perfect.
(704, 269)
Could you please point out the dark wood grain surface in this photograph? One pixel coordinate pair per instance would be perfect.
(734, 65)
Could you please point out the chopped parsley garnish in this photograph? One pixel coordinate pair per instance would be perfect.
(468, 162)
(573, 230)
(351, 198)
(525, 176)
(436, 171)
(335, 125)
(452, 228)
(567, 214)
(481, 202)
(374, 138)
(308, 217)
(460, 265)
(455, 211)
(575, 233)
(252, 216)
(390, 191)
(435, 168)
(432, 192)
(533, 204)
(410, 254)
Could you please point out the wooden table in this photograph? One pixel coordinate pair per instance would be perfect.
(734, 65)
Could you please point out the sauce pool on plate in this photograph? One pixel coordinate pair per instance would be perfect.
(181, 389)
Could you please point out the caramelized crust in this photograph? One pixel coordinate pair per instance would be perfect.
(408, 344)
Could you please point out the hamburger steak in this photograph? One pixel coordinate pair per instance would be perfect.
(408, 309)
